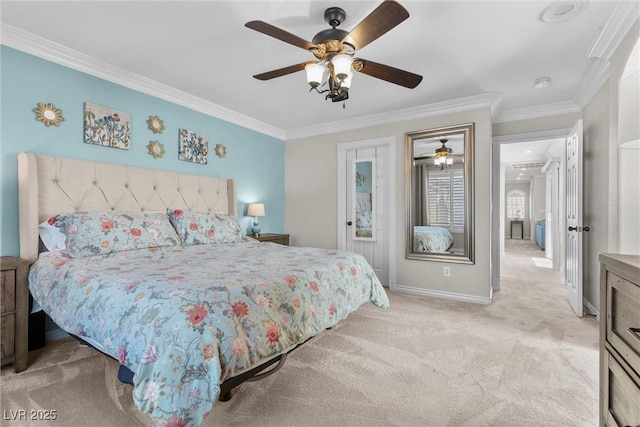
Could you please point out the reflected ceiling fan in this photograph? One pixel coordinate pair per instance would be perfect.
(334, 49)
(443, 156)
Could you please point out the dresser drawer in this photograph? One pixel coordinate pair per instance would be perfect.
(7, 346)
(623, 408)
(8, 291)
(623, 319)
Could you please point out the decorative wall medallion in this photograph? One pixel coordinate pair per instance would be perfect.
(192, 146)
(155, 124)
(221, 150)
(106, 126)
(48, 114)
(155, 149)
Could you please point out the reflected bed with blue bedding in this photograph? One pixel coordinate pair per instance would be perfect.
(431, 239)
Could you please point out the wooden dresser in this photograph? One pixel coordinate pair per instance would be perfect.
(282, 239)
(619, 340)
(14, 320)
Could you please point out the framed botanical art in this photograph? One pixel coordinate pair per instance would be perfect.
(106, 126)
(192, 146)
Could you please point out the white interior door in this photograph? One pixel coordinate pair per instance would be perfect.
(379, 250)
(374, 248)
(574, 231)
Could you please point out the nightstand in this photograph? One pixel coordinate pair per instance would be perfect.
(14, 312)
(282, 239)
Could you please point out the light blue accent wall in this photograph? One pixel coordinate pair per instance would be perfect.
(254, 160)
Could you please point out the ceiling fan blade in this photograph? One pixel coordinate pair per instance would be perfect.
(382, 19)
(389, 74)
(282, 71)
(270, 30)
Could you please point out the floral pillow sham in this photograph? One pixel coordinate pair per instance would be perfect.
(201, 228)
(100, 233)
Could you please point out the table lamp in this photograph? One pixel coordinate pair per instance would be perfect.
(255, 210)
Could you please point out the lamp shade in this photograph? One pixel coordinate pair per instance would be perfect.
(315, 73)
(255, 209)
(341, 65)
(347, 81)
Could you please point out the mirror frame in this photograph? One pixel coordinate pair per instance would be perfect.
(468, 131)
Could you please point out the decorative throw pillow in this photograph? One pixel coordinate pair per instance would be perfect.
(51, 236)
(99, 233)
(198, 228)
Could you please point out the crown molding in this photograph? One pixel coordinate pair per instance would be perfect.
(622, 18)
(537, 111)
(624, 15)
(591, 84)
(38, 46)
(490, 100)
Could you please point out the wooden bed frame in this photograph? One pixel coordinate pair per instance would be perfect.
(53, 185)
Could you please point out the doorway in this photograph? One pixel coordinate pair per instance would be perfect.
(522, 188)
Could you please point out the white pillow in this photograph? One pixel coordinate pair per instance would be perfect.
(52, 237)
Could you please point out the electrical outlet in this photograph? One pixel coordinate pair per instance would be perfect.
(446, 271)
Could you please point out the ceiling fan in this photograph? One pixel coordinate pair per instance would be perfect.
(334, 49)
(442, 156)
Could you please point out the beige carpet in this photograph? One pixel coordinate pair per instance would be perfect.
(525, 360)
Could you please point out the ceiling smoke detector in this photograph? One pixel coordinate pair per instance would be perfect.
(542, 82)
(561, 11)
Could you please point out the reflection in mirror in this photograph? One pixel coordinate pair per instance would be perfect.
(364, 200)
(439, 194)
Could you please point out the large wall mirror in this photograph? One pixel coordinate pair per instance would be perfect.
(439, 194)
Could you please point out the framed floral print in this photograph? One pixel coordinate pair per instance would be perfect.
(106, 126)
(192, 146)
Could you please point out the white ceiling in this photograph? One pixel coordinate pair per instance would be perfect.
(462, 48)
(522, 160)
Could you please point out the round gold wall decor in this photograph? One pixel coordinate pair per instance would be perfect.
(155, 124)
(156, 149)
(221, 150)
(48, 114)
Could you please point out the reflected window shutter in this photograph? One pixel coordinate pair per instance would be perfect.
(439, 199)
(458, 201)
(446, 199)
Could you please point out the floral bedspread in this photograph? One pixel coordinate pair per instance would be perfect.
(185, 318)
(431, 239)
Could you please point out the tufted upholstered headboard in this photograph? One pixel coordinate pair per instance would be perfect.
(53, 185)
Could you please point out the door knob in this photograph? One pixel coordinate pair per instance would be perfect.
(349, 223)
(585, 228)
(573, 228)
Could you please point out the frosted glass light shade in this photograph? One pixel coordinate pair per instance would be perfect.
(341, 65)
(315, 73)
(347, 81)
(255, 209)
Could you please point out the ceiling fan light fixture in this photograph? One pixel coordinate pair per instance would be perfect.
(334, 48)
(315, 74)
(443, 156)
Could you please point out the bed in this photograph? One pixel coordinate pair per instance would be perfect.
(431, 239)
(185, 313)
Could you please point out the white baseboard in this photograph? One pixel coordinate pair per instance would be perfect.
(55, 335)
(442, 294)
